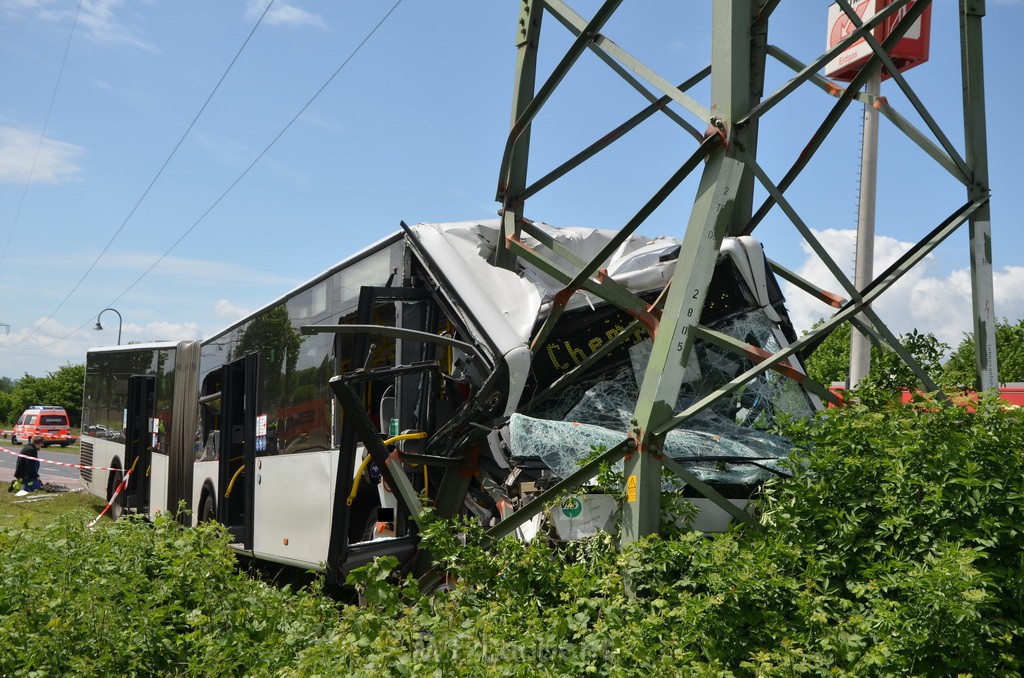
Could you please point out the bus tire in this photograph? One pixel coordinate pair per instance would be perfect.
(113, 480)
(207, 507)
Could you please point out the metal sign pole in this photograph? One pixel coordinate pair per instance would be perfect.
(860, 346)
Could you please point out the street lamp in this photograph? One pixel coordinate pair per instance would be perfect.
(119, 322)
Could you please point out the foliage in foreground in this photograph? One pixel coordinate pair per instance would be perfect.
(894, 549)
(130, 598)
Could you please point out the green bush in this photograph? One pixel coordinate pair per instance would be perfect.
(132, 598)
(894, 549)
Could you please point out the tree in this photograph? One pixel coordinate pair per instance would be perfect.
(29, 391)
(830, 361)
(889, 371)
(959, 371)
(62, 388)
(5, 407)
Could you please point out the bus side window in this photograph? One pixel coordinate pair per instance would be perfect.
(211, 451)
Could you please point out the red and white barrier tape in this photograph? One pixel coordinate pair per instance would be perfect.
(58, 463)
(123, 484)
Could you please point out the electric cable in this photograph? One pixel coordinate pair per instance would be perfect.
(260, 156)
(244, 172)
(42, 137)
(143, 196)
(241, 176)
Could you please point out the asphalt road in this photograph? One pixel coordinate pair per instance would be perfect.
(48, 473)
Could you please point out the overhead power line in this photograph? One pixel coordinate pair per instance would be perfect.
(234, 183)
(241, 176)
(144, 194)
(42, 135)
(39, 146)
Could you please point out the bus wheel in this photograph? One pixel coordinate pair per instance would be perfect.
(208, 509)
(113, 481)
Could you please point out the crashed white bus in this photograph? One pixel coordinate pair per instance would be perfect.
(315, 427)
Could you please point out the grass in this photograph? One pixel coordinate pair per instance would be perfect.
(42, 508)
(38, 509)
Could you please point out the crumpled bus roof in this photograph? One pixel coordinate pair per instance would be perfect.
(509, 304)
(640, 264)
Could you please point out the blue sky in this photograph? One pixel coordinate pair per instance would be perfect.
(412, 128)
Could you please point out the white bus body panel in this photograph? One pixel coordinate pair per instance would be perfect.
(292, 506)
(103, 453)
(158, 472)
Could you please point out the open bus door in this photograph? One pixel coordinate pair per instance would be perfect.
(237, 449)
(394, 393)
(141, 409)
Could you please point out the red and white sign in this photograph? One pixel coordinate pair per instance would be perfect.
(910, 51)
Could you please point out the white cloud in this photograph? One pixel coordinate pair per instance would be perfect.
(180, 271)
(19, 7)
(38, 349)
(97, 20)
(230, 312)
(283, 14)
(164, 331)
(49, 162)
(924, 299)
(103, 26)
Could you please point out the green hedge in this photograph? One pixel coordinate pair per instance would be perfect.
(894, 550)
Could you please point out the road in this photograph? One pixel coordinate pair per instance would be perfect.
(48, 473)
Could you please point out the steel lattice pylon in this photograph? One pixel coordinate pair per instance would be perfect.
(725, 206)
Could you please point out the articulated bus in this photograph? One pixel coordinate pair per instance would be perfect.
(411, 365)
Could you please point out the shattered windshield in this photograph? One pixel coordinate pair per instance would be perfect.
(728, 442)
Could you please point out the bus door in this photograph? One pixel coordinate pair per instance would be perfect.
(237, 449)
(397, 392)
(139, 441)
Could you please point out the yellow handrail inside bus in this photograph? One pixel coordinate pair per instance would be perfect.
(227, 492)
(366, 461)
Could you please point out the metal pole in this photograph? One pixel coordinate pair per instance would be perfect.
(982, 288)
(860, 346)
(120, 321)
(513, 178)
(716, 210)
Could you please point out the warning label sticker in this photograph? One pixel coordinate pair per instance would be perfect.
(631, 489)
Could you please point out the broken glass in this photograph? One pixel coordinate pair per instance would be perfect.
(729, 442)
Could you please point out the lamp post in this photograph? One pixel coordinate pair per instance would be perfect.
(119, 322)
